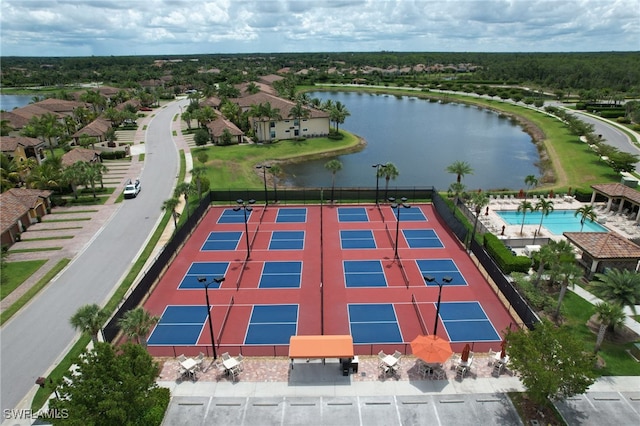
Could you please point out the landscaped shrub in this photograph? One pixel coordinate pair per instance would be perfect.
(113, 155)
(503, 256)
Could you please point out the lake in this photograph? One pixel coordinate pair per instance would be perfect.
(10, 102)
(422, 138)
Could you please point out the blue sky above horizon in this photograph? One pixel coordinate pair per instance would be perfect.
(173, 27)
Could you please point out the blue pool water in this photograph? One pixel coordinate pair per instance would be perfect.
(557, 222)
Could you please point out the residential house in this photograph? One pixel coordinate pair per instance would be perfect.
(20, 117)
(80, 154)
(286, 127)
(19, 209)
(217, 127)
(97, 129)
(22, 148)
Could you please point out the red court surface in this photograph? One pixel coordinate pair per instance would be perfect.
(323, 298)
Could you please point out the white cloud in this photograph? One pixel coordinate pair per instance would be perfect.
(77, 27)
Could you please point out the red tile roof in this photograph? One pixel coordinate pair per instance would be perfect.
(79, 154)
(283, 105)
(604, 245)
(9, 144)
(618, 190)
(15, 202)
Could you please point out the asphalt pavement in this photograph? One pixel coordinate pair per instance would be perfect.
(40, 335)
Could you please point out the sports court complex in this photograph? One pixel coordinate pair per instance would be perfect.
(322, 270)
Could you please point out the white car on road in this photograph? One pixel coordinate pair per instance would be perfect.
(132, 189)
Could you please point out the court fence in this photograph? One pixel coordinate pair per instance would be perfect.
(516, 301)
(315, 195)
(140, 291)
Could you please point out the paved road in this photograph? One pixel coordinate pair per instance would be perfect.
(40, 335)
(611, 134)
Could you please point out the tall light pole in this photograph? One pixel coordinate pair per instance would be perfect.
(246, 206)
(431, 279)
(394, 205)
(377, 166)
(206, 284)
(264, 168)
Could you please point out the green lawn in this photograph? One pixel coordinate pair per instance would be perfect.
(233, 166)
(16, 273)
(577, 312)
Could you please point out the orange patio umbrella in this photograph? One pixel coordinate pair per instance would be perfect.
(431, 349)
(503, 352)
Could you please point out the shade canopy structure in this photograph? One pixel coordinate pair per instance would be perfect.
(465, 353)
(431, 349)
(324, 346)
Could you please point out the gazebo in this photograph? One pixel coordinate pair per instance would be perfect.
(602, 250)
(620, 194)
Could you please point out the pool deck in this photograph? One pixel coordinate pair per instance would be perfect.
(613, 222)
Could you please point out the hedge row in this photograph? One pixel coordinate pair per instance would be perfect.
(503, 256)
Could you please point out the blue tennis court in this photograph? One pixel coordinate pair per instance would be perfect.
(232, 216)
(374, 323)
(422, 238)
(281, 275)
(294, 215)
(467, 322)
(287, 240)
(352, 214)
(179, 325)
(440, 268)
(357, 239)
(221, 241)
(208, 270)
(272, 324)
(410, 215)
(364, 273)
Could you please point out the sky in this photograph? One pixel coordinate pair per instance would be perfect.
(174, 27)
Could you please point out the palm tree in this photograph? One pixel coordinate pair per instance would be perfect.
(75, 175)
(171, 205)
(93, 173)
(183, 189)
(389, 171)
(272, 114)
(197, 174)
(524, 207)
(186, 117)
(531, 181)
(460, 169)
(545, 207)
(137, 323)
(89, 319)
(478, 201)
(570, 273)
(298, 111)
(586, 212)
(5, 127)
(551, 253)
(619, 286)
(610, 316)
(334, 166)
(456, 189)
(338, 114)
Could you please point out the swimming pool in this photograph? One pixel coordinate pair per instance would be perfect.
(557, 222)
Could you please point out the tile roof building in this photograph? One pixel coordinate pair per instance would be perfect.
(602, 250)
(19, 208)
